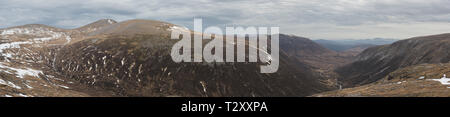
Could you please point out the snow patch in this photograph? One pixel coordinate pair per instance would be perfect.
(12, 45)
(38, 31)
(68, 38)
(44, 34)
(422, 77)
(401, 82)
(43, 39)
(23, 95)
(13, 85)
(10, 84)
(444, 80)
(122, 61)
(2, 82)
(16, 31)
(22, 72)
(4, 46)
(110, 21)
(66, 87)
(28, 86)
(178, 28)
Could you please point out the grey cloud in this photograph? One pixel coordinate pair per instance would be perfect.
(302, 17)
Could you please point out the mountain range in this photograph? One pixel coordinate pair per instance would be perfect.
(132, 58)
(347, 44)
(412, 67)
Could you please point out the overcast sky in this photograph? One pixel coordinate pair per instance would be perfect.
(316, 19)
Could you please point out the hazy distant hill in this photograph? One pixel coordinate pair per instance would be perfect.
(342, 45)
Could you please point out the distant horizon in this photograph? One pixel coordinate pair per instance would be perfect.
(361, 39)
(191, 29)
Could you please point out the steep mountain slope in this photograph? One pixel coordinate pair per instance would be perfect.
(424, 80)
(377, 62)
(22, 72)
(131, 58)
(142, 66)
(137, 63)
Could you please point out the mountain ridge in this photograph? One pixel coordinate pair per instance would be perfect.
(126, 59)
(376, 62)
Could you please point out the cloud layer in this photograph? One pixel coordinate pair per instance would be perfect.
(329, 19)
